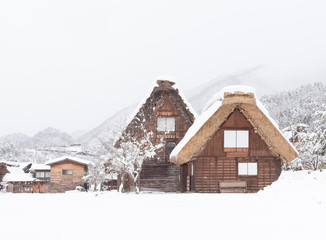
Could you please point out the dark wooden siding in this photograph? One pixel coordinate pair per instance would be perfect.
(163, 177)
(158, 173)
(212, 165)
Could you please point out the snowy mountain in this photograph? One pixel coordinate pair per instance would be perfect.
(49, 137)
(297, 106)
(78, 134)
(45, 145)
(253, 77)
(102, 130)
(14, 138)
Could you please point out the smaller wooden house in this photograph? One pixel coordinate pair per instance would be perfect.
(20, 178)
(67, 173)
(234, 146)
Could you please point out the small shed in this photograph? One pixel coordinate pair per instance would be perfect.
(234, 146)
(67, 173)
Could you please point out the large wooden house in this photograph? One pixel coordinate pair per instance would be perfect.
(67, 173)
(166, 114)
(234, 146)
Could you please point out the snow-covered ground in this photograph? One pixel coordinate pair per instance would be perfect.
(294, 207)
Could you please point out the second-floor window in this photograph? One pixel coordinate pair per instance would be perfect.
(42, 174)
(165, 124)
(236, 140)
(66, 172)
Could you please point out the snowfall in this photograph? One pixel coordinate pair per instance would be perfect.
(294, 207)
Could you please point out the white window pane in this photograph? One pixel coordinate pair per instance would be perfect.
(242, 139)
(230, 139)
(170, 124)
(252, 168)
(40, 174)
(165, 124)
(161, 124)
(47, 174)
(242, 169)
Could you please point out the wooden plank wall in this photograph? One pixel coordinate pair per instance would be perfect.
(61, 183)
(162, 176)
(35, 187)
(210, 170)
(213, 165)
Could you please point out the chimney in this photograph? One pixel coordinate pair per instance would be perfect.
(165, 83)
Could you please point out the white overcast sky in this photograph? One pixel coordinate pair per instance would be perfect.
(72, 64)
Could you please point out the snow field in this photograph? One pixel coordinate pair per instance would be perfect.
(294, 207)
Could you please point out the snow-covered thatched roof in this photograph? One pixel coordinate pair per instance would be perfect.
(17, 174)
(69, 158)
(216, 112)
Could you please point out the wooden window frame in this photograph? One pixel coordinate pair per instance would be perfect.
(236, 151)
(247, 174)
(66, 171)
(165, 126)
(40, 173)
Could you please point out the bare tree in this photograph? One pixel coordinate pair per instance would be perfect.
(127, 151)
(96, 175)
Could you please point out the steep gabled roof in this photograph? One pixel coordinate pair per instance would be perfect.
(164, 83)
(68, 158)
(216, 113)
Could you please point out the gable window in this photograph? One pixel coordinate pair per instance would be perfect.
(236, 140)
(66, 172)
(166, 124)
(247, 169)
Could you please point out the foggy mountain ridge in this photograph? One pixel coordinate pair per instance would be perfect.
(49, 137)
(15, 138)
(198, 97)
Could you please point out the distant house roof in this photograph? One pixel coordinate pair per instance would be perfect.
(10, 163)
(69, 158)
(40, 167)
(217, 111)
